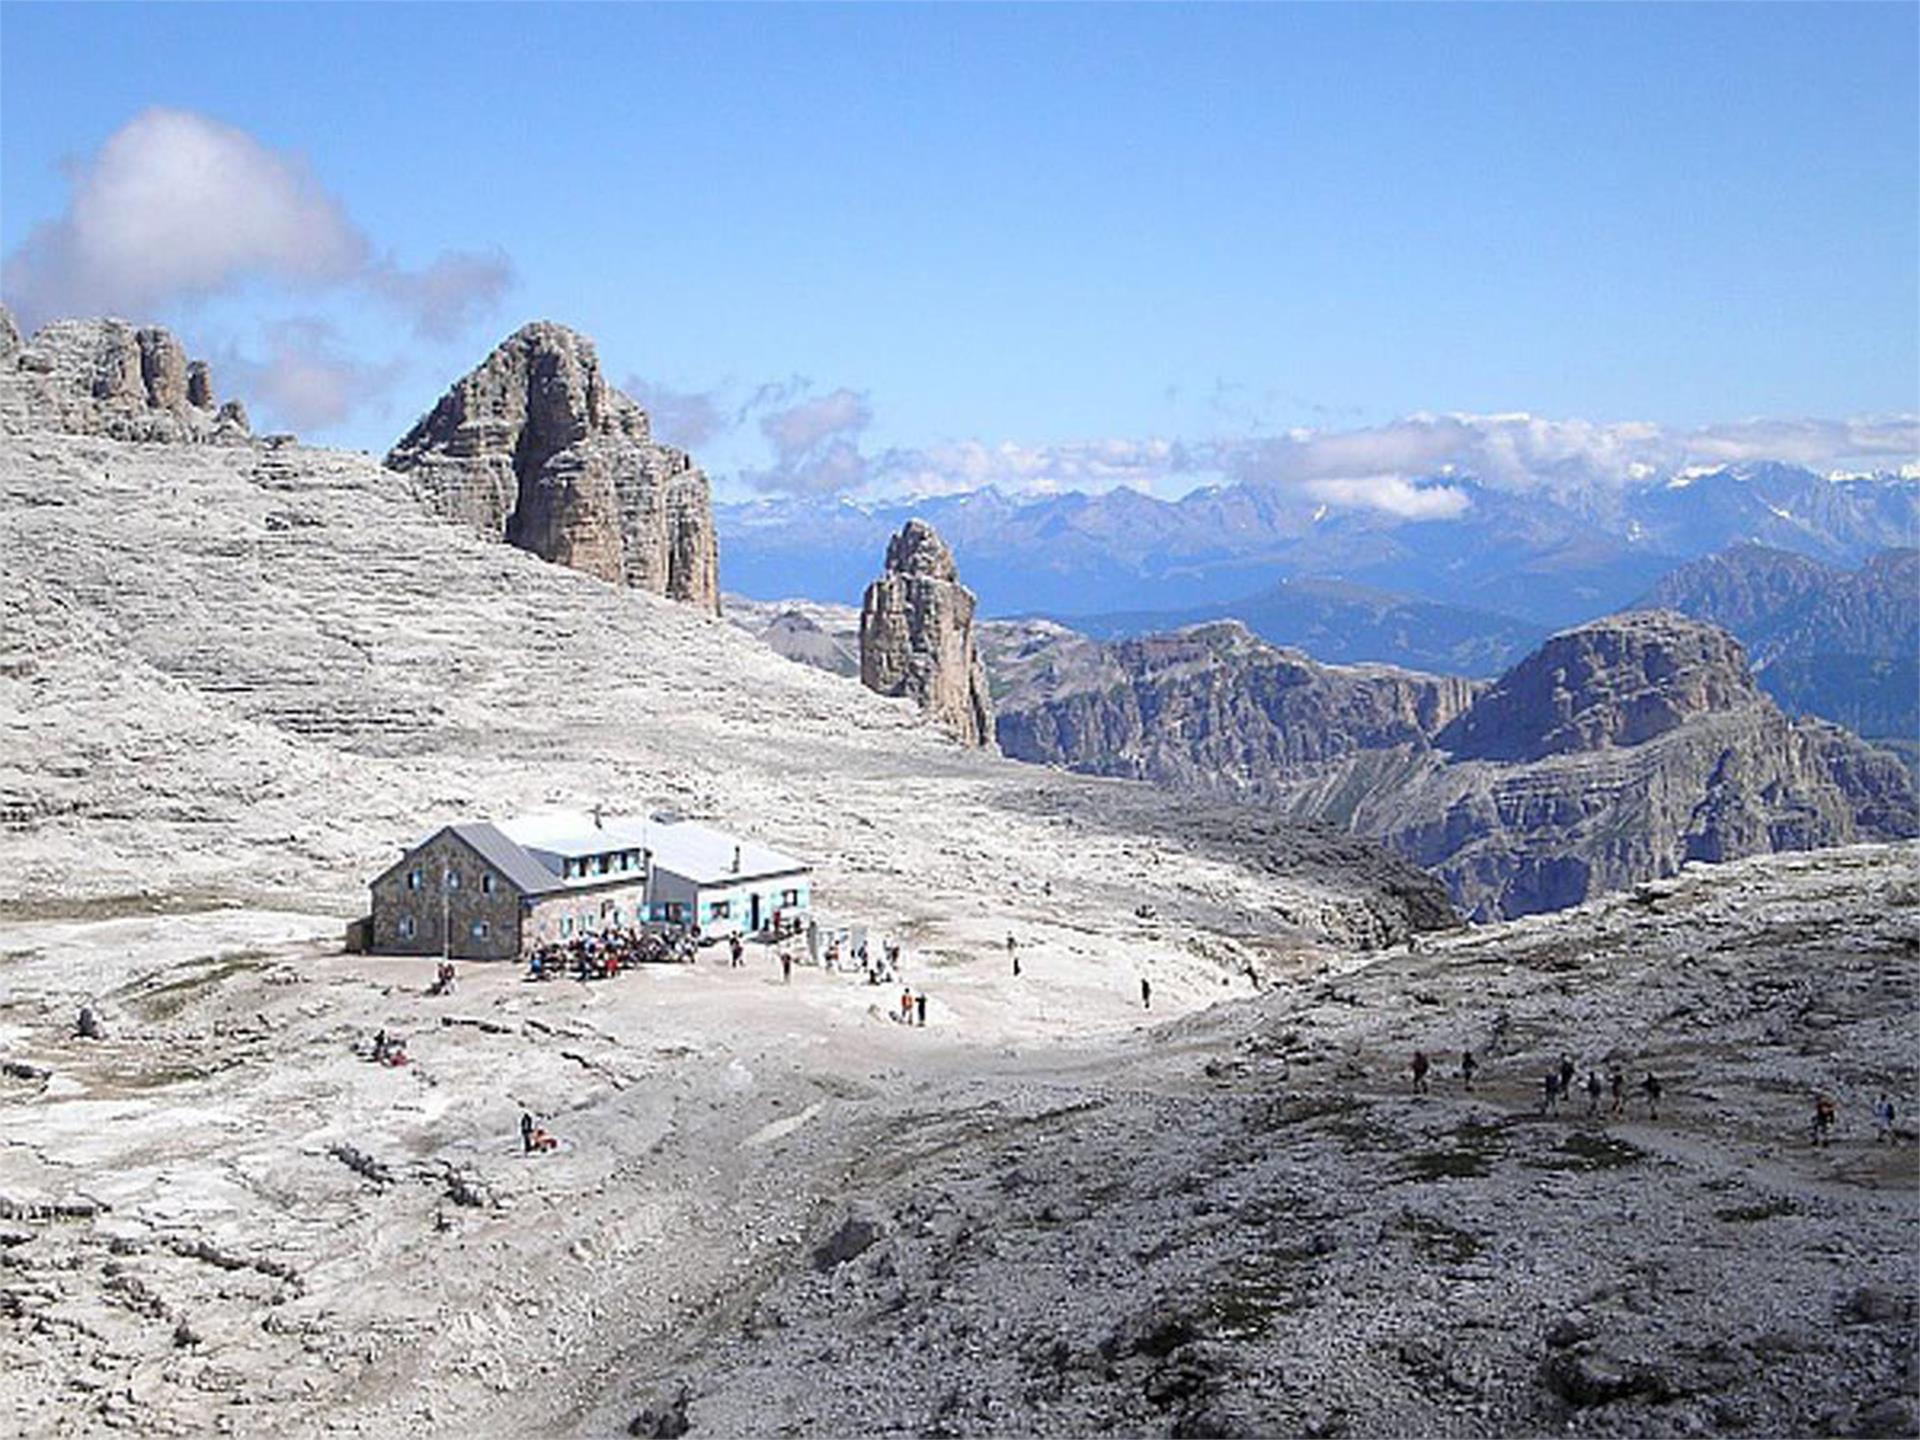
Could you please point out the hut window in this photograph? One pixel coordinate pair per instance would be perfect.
(406, 927)
(481, 929)
(486, 882)
(415, 880)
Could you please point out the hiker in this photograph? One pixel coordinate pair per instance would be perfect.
(90, 1027)
(1594, 1087)
(735, 949)
(1617, 1087)
(1467, 1066)
(1883, 1121)
(1566, 1078)
(526, 1133)
(1146, 993)
(1550, 1104)
(1823, 1118)
(1651, 1088)
(920, 1006)
(786, 967)
(540, 1141)
(906, 1005)
(379, 1047)
(1420, 1065)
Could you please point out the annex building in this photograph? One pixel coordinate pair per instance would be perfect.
(495, 891)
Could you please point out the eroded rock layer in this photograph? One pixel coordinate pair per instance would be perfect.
(536, 448)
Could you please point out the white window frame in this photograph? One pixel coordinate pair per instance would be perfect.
(480, 930)
(406, 928)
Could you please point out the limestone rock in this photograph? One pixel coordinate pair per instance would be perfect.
(1211, 708)
(535, 447)
(1618, 681)
(199, 385)
(917, 636)
(105, 377)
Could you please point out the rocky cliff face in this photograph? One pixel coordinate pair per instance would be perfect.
(916, 636)
(1212, 708)
(1619, 681)
(1614, 754)
(537, 448)
(106, 377)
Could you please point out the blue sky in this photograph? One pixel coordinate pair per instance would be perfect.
(942, 244)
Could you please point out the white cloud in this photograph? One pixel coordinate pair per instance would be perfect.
(446, 297)
(800, 428)
(176, 206)
(1083, 465)
(1393, 495)
(687, 418)
(816, 445)
(306, 383)
(1571, 459)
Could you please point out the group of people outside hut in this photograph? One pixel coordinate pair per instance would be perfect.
(604, 955)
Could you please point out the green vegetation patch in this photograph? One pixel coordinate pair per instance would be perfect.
(1585, 1151)
(1472, 1154)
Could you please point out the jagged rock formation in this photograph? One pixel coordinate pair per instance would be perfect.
(106, 377)
(535, 447)
(1211, 708)
(1616, 753)
(916, 636)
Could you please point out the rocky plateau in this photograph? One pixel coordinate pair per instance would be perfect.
(236, 677)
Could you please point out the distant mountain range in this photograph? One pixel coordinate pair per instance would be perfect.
(1547, 559)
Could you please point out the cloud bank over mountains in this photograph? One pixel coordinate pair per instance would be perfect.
(1417, 467)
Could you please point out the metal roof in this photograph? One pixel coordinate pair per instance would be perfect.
(523, 872)
(704, 855)
(519, 849)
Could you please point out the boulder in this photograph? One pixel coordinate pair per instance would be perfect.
(917, 636)
(536, 448)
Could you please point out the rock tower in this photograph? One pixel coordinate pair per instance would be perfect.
(916, 636)
(536, 448)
